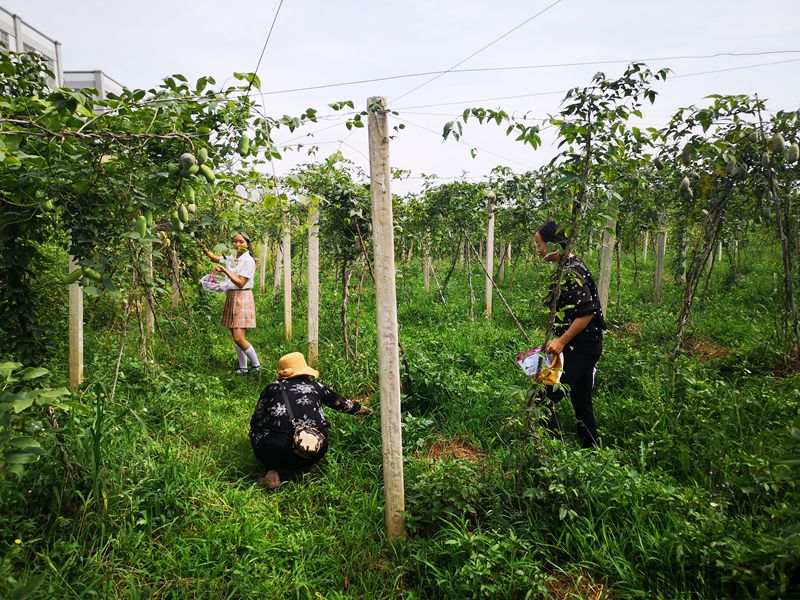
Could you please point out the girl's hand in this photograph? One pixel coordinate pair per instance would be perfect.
(219, 269)
(364, 410)
(555, 346)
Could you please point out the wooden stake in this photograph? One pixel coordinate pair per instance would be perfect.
(646, 244)
(489, 253)
(262, 275)
(276, 282)
(386, 309)
(176, 284)
(606, 254)
(287, 281)
(150, 317)
(313, 285)
(661, 249)
(75, 330)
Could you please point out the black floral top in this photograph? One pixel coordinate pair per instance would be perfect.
(306, 396)
(578, 298)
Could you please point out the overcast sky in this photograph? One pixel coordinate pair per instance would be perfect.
(318, 42)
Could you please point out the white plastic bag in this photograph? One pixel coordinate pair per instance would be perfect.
(217, 282)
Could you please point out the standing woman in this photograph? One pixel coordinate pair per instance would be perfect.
(578, 333)
(239, 313)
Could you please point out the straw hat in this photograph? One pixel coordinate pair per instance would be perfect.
(294, 365)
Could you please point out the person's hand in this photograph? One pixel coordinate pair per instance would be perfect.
(219, 269)
(555, 346)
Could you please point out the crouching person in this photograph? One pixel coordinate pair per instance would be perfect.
(288, 430)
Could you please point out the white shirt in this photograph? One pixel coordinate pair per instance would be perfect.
(244, 266)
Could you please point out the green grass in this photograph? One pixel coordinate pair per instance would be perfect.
(684, 500)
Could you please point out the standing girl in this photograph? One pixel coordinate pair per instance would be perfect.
(239, 313)
(579, 330)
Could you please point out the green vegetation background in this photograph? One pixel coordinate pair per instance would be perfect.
(686, 498)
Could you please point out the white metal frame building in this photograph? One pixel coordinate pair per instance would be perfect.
(19, 36)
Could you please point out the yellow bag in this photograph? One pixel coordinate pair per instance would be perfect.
(550, 374)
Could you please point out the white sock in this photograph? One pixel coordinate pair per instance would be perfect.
(242, 357)
(251, 354)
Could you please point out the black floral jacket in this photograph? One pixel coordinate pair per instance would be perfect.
(578, 297)
(306, 397)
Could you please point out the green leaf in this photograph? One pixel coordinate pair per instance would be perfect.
(22, 457)
(33, 373)
(22, 403)
(23, 590)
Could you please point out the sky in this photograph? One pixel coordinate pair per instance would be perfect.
(316, 42)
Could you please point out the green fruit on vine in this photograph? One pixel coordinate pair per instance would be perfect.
(173, 169)
(686, 186)
(73, 276)
(686, 156)
(183, 214)
(148, 216)
(658, 164)
(190, 193)
(776, 143)
(192, 170)
(244, 146)
(206, 172)
(765, 159)
(202, 156)
(187, 159)
(91, 273)
(177, 224)
(192, 208)
(731, 168)
(48, 205)
(793, 153)
(141, 225)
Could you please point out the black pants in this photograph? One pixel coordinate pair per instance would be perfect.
(276, 451)
(578, 374)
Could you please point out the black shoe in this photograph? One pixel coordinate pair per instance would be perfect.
(240, 371)
(255, 369)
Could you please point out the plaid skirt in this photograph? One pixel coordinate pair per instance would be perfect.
(240, 310)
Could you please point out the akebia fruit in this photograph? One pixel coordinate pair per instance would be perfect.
(658, 164)
(686, 156)
(793, 153)
(192, 170)
(686, 187)
(202, 156)
(183, 214)
(190, 194)
(91, 273)
(206, 172)
(192, 208)
(187, 160)
(74, 276)
(177, 225)
(148, 216)
(244, 146)
(141, 225)
(765, 159)
(776, 143)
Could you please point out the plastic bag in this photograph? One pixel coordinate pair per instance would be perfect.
(217, 282)
(547, 371)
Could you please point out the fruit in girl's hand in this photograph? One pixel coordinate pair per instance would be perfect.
(776, 143)
(187, 159)
(206, 172)
(183, 214)
(141, 225)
